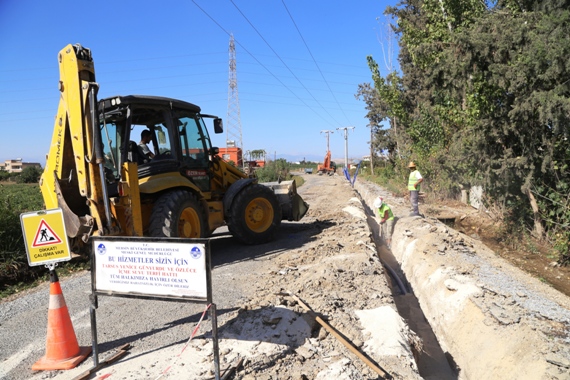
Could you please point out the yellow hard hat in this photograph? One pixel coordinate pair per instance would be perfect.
(411, 164)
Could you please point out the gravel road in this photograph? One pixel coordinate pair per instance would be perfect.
(244, 278)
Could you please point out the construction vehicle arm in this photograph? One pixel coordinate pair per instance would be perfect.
(72, 179)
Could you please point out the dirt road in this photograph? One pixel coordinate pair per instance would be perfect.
(330, 261)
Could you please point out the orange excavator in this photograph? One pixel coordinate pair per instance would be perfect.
(328, 166)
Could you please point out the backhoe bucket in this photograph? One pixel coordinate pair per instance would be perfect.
(293, 208)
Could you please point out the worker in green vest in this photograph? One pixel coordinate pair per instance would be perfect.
(414, 187)
(386, 217)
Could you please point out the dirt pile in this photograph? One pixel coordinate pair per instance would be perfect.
(334, 269)
(340, 277)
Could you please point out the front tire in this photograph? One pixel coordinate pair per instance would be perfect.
(177, 214)
(255, 215)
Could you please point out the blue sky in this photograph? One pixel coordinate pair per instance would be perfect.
(179, 49)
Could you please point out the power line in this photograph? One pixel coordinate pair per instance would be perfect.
(282, 61)
(311, 54)
(257, 60)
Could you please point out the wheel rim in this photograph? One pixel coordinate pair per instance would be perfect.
(259, 215)
(189, 224)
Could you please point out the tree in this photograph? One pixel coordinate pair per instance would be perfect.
(30, 174)
(483, 97)
(277, 170)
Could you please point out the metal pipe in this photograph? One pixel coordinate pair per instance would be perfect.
(374, 366)
(98, 149)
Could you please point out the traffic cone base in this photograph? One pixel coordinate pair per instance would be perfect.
(62, 350)
(45, 364)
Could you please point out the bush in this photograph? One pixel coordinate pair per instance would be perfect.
(4, 175)
(277, 170)
(14, 200)
(30, 174)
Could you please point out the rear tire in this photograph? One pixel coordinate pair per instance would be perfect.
(255, 215)
(178, 214)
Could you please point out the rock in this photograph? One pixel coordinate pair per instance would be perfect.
(322, 334)
(304, 352)
(271, 320)
(451, 285)
(503, 316)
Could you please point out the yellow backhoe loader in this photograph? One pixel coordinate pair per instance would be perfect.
(107, 183)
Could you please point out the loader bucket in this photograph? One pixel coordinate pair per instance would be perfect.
(293, 207)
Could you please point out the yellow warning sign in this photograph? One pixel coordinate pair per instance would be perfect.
(45, 237)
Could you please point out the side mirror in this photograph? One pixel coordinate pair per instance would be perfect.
(218, 125)
(214, 151)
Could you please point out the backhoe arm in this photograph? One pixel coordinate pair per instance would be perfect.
(71, 179)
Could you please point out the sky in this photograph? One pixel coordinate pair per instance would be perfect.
(298, 66)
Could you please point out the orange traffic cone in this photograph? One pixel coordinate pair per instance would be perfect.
(62, 350)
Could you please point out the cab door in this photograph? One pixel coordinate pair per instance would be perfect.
(195, 145)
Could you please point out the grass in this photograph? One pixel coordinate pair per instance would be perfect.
(42, 276)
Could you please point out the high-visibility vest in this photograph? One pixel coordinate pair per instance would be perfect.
(382, 210)
(413, 179)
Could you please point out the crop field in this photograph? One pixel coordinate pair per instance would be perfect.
(14, 200)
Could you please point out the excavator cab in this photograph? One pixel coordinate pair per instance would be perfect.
(179, 140)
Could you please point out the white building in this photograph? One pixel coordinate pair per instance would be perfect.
(16, 166)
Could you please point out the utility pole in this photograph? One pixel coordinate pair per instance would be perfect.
(345, 129)
(328, 134)
(371, 149)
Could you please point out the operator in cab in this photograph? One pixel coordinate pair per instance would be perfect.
(146, 137)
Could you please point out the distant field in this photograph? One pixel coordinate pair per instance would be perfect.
(20, 197)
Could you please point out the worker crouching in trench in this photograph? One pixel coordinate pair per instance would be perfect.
(386, 220)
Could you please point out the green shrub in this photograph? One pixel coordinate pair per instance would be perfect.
(30, 174)
(16, 199)
(4, 175)
(277, 170)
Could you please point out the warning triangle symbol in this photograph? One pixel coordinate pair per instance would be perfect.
(45, 236)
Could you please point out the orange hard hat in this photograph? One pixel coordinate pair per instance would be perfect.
(411, 164)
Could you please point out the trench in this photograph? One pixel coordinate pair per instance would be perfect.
(432, 362)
